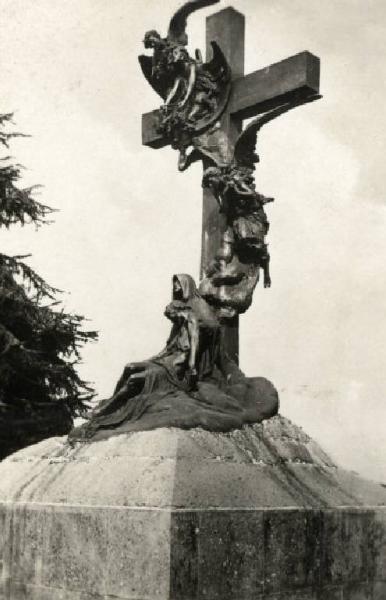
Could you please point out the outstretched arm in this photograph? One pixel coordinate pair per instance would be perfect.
(191, 82)
(193, 330)
(194, 337)
(265, 266)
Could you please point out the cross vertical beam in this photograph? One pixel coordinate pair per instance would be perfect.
(227, 28)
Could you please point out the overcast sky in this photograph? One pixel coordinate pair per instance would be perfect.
(128, 220)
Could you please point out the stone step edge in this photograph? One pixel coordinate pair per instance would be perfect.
(167, 508)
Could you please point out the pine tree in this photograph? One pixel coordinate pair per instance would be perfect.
(40, 390)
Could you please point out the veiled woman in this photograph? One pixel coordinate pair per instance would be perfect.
(190, 354)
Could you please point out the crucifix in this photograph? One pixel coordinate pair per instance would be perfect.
(289, 82)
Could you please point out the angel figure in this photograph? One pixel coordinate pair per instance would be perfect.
(171, 71)
(195, 93)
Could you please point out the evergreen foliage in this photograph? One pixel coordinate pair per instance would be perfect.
(40, 390)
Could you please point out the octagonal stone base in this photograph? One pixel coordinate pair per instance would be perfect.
(260, 513)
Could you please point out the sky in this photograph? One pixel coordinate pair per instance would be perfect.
(128, 220)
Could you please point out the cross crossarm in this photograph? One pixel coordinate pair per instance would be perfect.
(293, 78)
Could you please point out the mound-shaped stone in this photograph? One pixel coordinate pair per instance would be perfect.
(260, 512)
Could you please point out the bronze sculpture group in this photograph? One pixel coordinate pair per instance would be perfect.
(192, 382)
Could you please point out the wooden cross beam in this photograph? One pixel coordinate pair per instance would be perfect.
(290, 80)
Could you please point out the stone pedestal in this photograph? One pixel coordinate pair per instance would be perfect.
(260, 513)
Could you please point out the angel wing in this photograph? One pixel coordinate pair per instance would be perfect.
(218, 66)
(245, 147)
(146, 63)
(177, 25)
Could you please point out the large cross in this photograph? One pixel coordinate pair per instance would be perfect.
(292, 79)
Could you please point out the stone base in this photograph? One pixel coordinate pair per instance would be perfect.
(260, 513)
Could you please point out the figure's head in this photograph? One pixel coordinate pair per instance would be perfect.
(151, 39)
(211, 177)
(241, 174)
(177, 288)
(184, 287)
